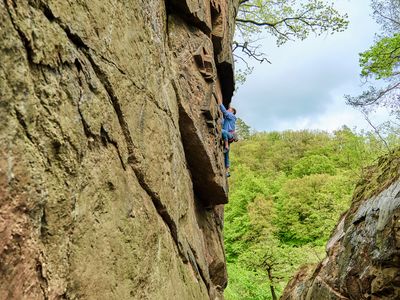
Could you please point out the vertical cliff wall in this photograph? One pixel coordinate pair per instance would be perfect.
(363, 254)
(111, 166)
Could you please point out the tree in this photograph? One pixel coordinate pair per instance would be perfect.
(285, 20)
(264, 257)
(307, 208)
(313, 164)
(242, 129)
(382, 61)
(387, 14)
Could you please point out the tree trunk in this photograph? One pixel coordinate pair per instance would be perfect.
(271, 286)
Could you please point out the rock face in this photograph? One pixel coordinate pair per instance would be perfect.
(111, 167)
(363, 254)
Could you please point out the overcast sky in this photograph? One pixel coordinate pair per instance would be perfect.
(305, 84)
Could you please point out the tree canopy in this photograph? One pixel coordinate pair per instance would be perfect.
(382, 61)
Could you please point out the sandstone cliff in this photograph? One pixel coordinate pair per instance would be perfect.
(111, 167)
(363, 254)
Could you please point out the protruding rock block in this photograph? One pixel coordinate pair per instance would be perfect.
(205, 64)
(213, 18)
(218, 12)
(222, 34)
(199, 116)
(197, 12)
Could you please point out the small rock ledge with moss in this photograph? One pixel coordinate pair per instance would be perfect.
(363, 253)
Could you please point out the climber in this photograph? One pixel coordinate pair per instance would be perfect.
(228, 131)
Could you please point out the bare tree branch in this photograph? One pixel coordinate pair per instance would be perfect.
(363, 100)
(250, 51)
(376, 130)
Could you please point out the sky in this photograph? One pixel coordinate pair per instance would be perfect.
(304, 86)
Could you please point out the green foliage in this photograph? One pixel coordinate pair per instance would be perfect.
(287, 192)
(313, 164)
(245, 284)
(382, 59)
(308, 208)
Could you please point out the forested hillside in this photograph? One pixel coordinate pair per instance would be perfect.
(287, 192)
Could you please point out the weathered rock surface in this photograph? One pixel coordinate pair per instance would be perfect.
(111, 166)
(363, 254)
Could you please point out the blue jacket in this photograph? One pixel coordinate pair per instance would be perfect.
(229, 121)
